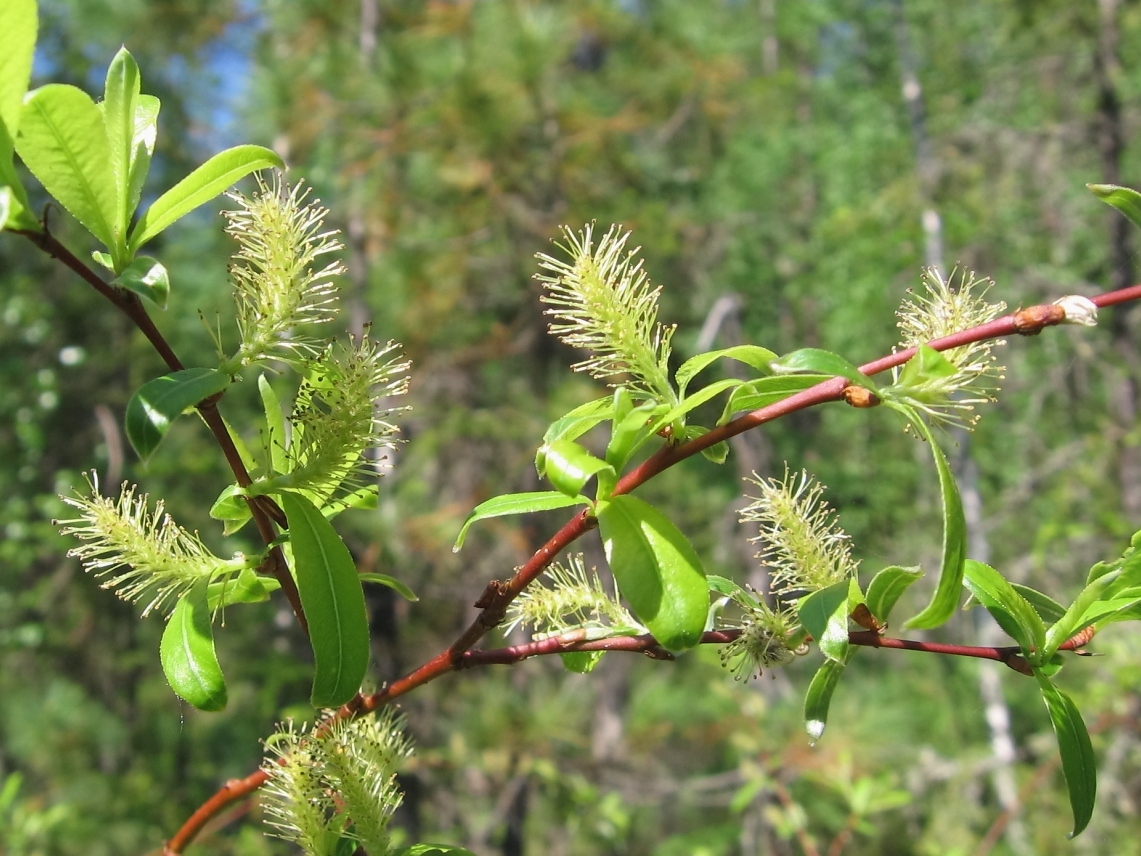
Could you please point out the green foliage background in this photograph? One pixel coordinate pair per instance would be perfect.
(451, 147)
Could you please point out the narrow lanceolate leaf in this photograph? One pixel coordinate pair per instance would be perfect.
(628, 434)
(17, 42)
(819, 698)
(886, 587)
(657, 571)
(142, 147)
(751, 355)
(1010, 609)
(120, 98)
(211, 179)
(333, 601)
(692, 402)
(63, 142)
(947, 592)
(1078, 763)
(187, 652)
(274, 426)
(755, 394)
(392, 583)
(517, 503)
(159, 402)
(435, 850)
(1124, 199)
(817, 361)
(577, 422)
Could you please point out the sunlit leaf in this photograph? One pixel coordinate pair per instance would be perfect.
(147, 278)
(1010, 609)
(517, 503)
(755, 394)
(824, 614)
(751, 355)
(568, 466)
(1124, 199)
(886, 588)
(657, 570)
(391, 582)
(333, 601)
(187, 652)
(819, 697)
(159, 402)
(817, 361)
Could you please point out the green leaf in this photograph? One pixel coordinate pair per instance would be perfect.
(63, 142)
(393, 583)
(926, 365)
(824, 614)
(231, 508)
(568, 466)
(275, 439)
(1083, 611)
(187, 652)
(628, 435)
(142, 147)
(717, 453)
(211, 179)
(120, 103)
(819, 697)
(1046, 606)
(435, 850)
(817, 361)
(246, 587)
(1078, 763)
(159, 402)
(947, 592)
(17, 45)
(751, 355)
(886, 587)
(1010, 609)
(755, 394)
(657, 570)
(694, 401)
(333, 601)
(580, 420)
(582, 662)
(1124, 199)
(147, 278)
(517, 503)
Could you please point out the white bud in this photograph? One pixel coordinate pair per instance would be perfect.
(1078, 309)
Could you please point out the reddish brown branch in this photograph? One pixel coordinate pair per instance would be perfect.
(499, 595)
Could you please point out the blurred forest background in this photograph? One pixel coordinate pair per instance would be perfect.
(788, 167)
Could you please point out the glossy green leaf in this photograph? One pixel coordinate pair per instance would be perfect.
(187, 652)
(580, 420)
(824, 614)
(582, 662)
(333, 601)
(819, 698)
(1079, 767)
(435, 850)
(392, 583)
(142, 148)
(120, 100)
(1124, 199)
(628, 435)
(947, 592)
(886, 588)
(694, 401)
(208, 181)
(568, 466)
(367, 497)
(17, 44)
(231, 508)
(63, 142)
(147, 278)
(159, 402)
(517, 503)
(1010, 609)
(275, 438)
(717, 453)
(755, 394)
(246, 587)
(817, 361)
(751, 355)
(1048, 608)
(926, 365)
(657, 570)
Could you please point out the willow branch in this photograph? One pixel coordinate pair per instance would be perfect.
(499, 593)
